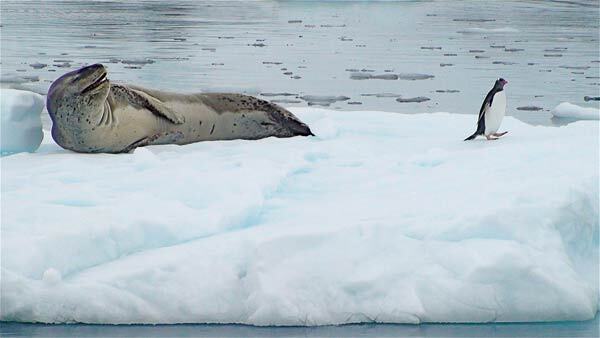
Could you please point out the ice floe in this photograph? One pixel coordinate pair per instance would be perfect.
(569, 110)
(381, 217)
(21, 123)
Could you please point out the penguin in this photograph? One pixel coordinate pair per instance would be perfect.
(491, 113)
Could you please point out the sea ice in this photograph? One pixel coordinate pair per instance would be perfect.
(417, 99)
(569, 110)
(415, 76)
(381, 217)
(21, 124)
(479, 30)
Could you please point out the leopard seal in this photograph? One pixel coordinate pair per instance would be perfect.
(92, 115)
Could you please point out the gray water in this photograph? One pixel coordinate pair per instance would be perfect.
(557, 329)
(548, 50)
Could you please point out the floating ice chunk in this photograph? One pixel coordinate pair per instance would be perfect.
(382, 95)
(278, 94)
(323, 99)
(417, 99)
(569, 110)
(284, 101)
(19, 79)
(365, 76)
(574, 67)
(38, 65)
(62, 65)
(360, 76)
(385, 77)
(415, 76)
(530, 108)
(478, 30)
(21, 123)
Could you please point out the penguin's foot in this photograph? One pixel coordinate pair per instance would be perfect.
(500, 134)
(490, 138)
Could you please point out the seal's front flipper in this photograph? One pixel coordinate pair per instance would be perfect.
(160, 138)
(156, 106)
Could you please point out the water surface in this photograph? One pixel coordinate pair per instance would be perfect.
(557, 329)
(548, 50)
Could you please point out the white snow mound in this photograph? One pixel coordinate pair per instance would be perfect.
(21, 123)
(380, 218)
(569, 110)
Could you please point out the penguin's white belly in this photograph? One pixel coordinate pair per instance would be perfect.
(495, 114)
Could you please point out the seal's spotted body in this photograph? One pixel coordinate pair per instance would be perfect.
(91, 115)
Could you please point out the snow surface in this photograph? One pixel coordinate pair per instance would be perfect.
(380, 218)
(569, 110)
(21, 124)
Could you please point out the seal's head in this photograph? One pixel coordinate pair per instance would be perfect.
(78, 95)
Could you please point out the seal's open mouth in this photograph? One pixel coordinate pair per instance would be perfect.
(96, 83)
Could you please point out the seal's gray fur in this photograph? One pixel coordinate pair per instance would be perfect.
(91, 115)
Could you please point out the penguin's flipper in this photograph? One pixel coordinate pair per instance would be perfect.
(485, 107)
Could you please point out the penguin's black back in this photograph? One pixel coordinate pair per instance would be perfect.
(485, 106)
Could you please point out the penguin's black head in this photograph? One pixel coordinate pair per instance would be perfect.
(500, 83)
